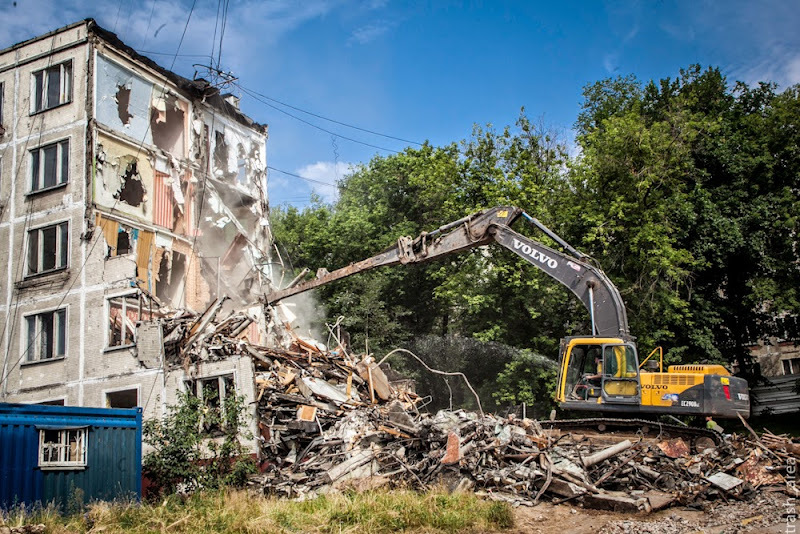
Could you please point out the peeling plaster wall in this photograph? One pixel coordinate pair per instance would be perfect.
(114, 159)
(236, 199)
(109, 78)
(243, 151)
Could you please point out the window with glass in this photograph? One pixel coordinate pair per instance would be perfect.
(52, 86)
(46, 335)
(48, 248)
(49, 166)
(620, 371)
(62, 448)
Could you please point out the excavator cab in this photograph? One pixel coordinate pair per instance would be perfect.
(598, 371)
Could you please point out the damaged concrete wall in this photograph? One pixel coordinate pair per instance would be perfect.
(123, 178)
(123, 99)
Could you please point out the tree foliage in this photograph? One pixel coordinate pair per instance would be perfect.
(186, 456)
(684, 190)
(688, 193)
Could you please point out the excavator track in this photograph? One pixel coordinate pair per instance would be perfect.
(698, 438)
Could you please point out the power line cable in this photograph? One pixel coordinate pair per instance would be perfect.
(276, 108)
(302, 177)
(214, 38)
(373, 132)
(222, 31)
(153, 53)
(149, 21)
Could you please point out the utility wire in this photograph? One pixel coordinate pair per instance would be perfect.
(333, 120)
(340, 136)
(302, 177)
(222, 31)
(152, 53)
(149, 21)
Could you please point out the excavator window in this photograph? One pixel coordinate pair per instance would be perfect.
(620, 370)
(583, 380)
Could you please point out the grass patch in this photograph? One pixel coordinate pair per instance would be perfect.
(228, 511)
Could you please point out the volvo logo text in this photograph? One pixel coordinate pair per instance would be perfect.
(535, 254)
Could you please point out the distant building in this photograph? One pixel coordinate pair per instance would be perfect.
(779, 363)
(780, 356)
(126, 192)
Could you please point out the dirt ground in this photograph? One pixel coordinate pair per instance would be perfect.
(767, 513)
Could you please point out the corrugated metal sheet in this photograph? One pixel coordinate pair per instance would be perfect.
(164, 202)
(20, 480)
(778, 396)
(114, 453)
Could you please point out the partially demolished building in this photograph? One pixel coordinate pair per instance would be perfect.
(126, 192)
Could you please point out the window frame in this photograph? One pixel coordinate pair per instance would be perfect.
(195, 387)
(62, 252)
(40, 90)
(136, 387)
(63, 462)
(32, 350)
(792, 365)
(141, 310)
(37, 167)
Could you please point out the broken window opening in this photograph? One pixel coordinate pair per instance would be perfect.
(220, 152)
(171, 274)
(126, 398)
(123, 98)
(215, 393)
(168, 127)
(55, 402)
(241, 177)
(131, 189)
(124, 242)
(124, 314)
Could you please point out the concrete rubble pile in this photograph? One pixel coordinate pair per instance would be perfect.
(328, 419)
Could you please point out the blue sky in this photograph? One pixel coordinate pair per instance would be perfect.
(425, 70)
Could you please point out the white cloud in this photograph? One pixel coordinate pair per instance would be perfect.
(611, 63)
(327, 172)
(253, 26)
(780, 65)
(368, 33)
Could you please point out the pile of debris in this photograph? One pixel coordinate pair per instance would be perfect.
(329, 418)
(515, 461)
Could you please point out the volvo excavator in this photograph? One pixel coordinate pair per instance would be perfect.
(599, 372)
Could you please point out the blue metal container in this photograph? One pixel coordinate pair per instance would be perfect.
(68, 454)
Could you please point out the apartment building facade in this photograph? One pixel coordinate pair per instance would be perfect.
(126, 192)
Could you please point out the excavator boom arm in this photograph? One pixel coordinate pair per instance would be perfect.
(586, 281)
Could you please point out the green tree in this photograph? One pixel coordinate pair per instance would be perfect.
(686, 193)
(185, 455)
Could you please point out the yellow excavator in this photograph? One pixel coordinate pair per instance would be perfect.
(599, 372)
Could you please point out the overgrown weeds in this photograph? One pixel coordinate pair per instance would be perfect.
(236, 511)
